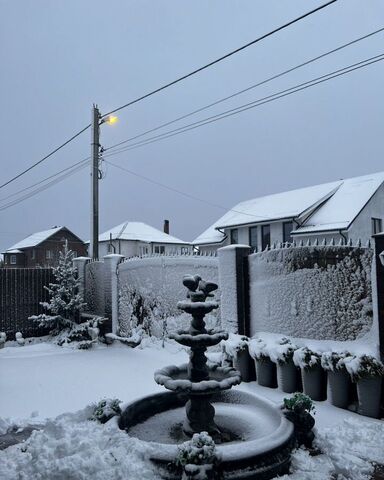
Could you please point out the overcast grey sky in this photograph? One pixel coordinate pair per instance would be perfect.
(57, 57)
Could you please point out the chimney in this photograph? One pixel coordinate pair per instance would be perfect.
(166, 226)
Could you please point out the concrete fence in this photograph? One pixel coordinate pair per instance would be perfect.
(311, 291)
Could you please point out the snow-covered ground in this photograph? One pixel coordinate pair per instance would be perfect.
(46, 381)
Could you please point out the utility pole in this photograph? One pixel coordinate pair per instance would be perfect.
(94, 240)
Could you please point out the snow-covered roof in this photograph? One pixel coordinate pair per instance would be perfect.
(345, 204)
(34, 239)
(340, 202)
(138, 231)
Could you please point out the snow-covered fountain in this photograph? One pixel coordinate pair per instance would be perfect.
(253, 437)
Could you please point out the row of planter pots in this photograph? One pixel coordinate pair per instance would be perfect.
(313, 381)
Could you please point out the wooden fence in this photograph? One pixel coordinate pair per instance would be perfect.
(21, 291)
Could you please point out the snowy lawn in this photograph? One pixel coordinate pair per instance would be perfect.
(45, 380)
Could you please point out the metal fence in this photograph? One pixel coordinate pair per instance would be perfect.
(21, 291)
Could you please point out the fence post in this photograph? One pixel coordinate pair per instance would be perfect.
(234, 287)
(80, 263)
(111, 263)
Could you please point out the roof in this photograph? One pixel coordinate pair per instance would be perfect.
(342, 208)
(339, 202)
(34, 239)
(138, 231)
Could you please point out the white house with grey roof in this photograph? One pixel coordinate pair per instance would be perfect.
(349, 209)
(133, 239)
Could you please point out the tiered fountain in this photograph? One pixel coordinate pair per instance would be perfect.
(253, 437)
(196, 379)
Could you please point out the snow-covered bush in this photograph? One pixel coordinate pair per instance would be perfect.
(200, 450)
(106, 409)
(3, 339)
(333, 361)
(281, 351)
(305, 358)
(363, 366)
(234, 344)
(258, 349)
(142, 309)
(299, 403)
(19, 339)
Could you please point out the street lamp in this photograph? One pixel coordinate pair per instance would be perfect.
(97, 120)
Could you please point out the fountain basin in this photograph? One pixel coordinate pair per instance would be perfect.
(177, 380)
(209, 339)
(263, 436)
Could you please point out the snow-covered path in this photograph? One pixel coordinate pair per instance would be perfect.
(52, 381)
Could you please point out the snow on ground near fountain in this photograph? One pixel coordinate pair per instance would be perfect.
(52, 380)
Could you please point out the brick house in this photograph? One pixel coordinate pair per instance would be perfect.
(42, 249)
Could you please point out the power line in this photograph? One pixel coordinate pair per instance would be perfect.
(44, 158)
(263, 82)
(204, 67)
(227, 55)
(44, 187)
(180, 192)
(44, 179)
(250, 105)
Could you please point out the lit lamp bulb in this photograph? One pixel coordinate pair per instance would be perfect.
(111, 119)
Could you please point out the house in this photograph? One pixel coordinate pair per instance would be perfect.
(344, 210)
(136, 239)
(42, 249)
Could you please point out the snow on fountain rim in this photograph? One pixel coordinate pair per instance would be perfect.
(183, 304)
(164, 377)
(240, 450)
(211, 335)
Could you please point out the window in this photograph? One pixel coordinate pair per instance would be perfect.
(234, 236)
(13, 260)
(184, 250)
(287, 229)
(143, 250)
(376, 225)
(253, 237)
(48, 254)
(159, 249)
(33, 254)
(265, 236)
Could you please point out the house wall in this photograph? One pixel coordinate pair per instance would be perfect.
(20, 260)
(134, 248)
(361, 227)
(243, 237)
(37, 256)
(321, 237)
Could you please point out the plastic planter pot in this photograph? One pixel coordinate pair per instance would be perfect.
(338, 388)
(265, 372)
(287, 374)
(243, 363)
(314, 382)
(369, 393)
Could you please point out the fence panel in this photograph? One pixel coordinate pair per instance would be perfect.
(94, 287)
(21, 291)
(318, 292)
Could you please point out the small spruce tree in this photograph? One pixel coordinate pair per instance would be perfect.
(65, 302)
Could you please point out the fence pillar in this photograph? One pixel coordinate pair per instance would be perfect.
(80, 263)
(234, 287)
(111, 263)
(378, 288)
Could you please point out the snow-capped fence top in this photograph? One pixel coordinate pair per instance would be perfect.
(319, 291)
